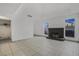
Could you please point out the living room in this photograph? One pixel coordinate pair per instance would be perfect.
(28, 33)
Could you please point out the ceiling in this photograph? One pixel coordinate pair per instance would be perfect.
(47, 9)
(60, 9)
(8, 9)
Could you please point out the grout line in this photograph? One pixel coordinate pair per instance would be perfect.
(27, 47)
(11, 49)
(32, 49)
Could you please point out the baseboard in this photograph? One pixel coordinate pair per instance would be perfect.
(40, 35)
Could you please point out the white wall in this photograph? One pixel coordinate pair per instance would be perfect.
(47, 12)
(77, 26)
(38, 19)
(22, 25)
(56, 14)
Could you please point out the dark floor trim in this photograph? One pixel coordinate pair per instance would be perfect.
(72, 41)
(40, 35)
(58, 40)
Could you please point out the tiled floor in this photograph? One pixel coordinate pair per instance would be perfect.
(38, 46)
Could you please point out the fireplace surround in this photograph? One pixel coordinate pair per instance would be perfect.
(56, 33)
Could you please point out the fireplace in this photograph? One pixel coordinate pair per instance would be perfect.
(56, 33)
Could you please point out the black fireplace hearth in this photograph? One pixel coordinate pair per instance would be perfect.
(56, 33)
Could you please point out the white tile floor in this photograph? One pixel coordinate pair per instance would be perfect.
(38, 46)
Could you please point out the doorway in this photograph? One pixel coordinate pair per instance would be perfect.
(5, 29)
(45, 27)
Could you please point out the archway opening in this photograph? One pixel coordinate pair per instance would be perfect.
(5, 28)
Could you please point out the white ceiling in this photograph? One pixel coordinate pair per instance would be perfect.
(48, 9)
(59, 9)
(8, 9)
